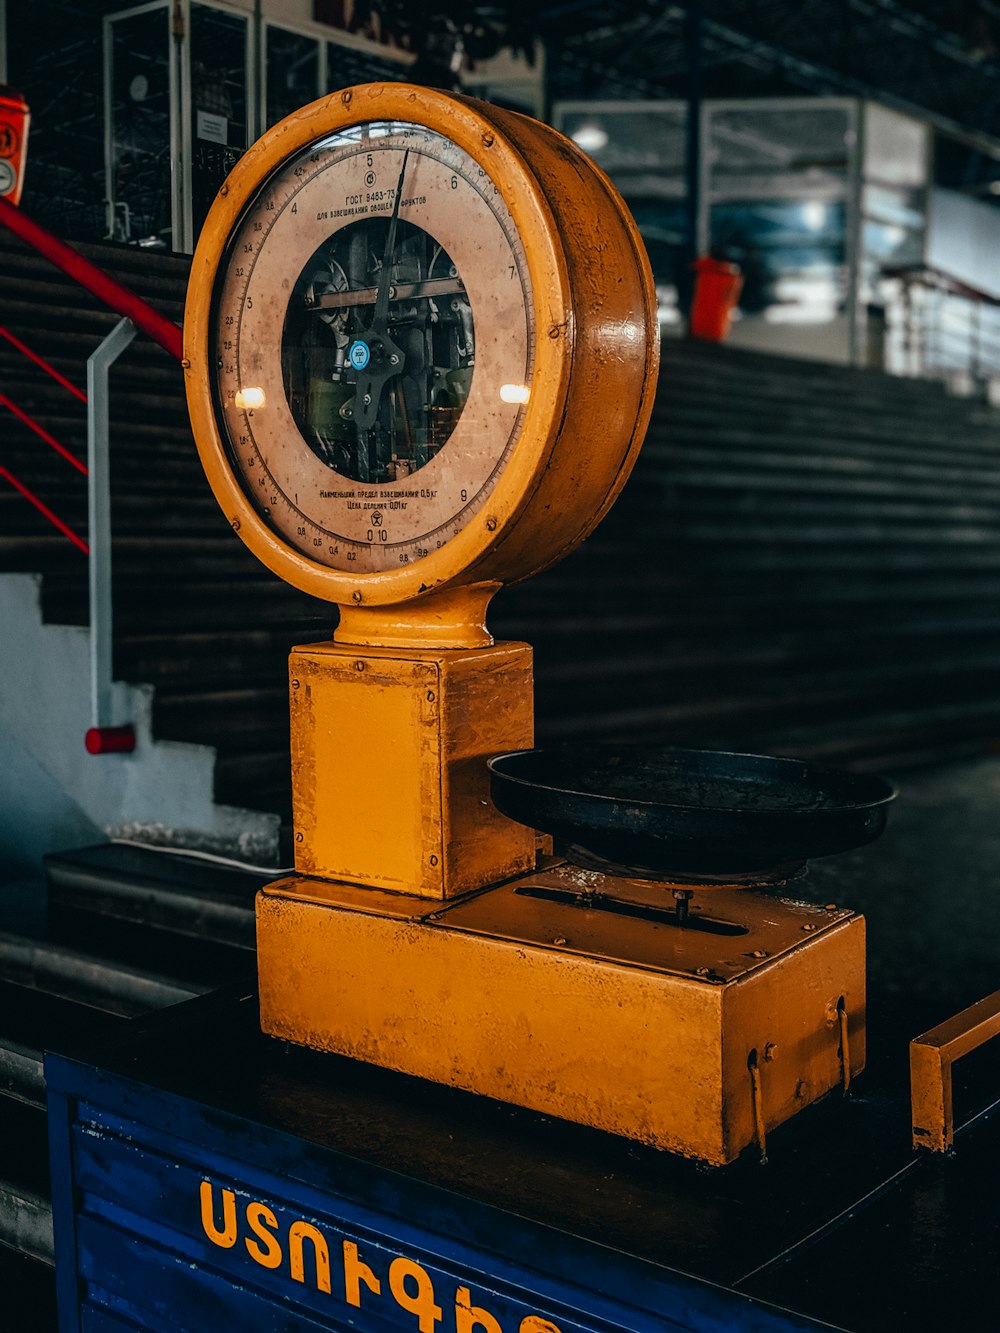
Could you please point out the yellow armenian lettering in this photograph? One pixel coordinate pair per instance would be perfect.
(300, 1231)
(469, 1317)
(355, 1272)
(421, 1303)
(259, 1216)
(226, 1238)
(409, 1283)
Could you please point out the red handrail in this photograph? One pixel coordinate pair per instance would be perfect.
(98, 283)
(43, 434)
(43, 508)
(40, 361)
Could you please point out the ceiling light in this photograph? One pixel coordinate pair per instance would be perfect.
(590, 137)
(814, 215)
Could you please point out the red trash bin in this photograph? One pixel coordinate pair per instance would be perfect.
(14, 119)
(716, 294)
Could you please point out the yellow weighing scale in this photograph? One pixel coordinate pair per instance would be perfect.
(421, 348)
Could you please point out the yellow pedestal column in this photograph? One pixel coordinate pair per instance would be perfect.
(389, 750)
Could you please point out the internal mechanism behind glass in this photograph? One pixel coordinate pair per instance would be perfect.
(376, 395)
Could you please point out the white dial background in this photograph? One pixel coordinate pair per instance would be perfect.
(333, 519)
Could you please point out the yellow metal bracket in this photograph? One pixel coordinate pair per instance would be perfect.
(931, 1057)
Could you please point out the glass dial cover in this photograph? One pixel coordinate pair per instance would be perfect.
(373, 338)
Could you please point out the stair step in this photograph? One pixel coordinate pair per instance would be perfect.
(25, 1209)
(131, 374)
(244, 779)
(251, 654)
(248, 602)
(32, 1022)
(92, 978)
(113, 257)
(156, 888)
(44, 289)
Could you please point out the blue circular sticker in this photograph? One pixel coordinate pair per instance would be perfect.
(360, 355)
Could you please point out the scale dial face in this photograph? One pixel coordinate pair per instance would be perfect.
(383, 266)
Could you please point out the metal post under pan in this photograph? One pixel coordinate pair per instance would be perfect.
(201, 1172)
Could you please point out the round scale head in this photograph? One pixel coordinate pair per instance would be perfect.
(421, 346)
(403, 323)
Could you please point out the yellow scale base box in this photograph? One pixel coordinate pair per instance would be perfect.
(601, 1012)
(418, 934)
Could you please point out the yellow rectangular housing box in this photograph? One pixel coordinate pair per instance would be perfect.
(596, 1017)
(389, 750)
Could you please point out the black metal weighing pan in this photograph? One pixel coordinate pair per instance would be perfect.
(666, 812)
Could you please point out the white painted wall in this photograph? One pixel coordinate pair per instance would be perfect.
(826, 341)
(963, 239)
(53, 794)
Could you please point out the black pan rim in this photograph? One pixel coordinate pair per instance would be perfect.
(889, 791)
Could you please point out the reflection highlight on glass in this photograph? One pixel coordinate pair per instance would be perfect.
(249, 397)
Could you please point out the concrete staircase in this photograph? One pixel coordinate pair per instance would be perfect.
(806, 560)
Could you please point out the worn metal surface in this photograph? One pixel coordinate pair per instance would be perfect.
(596, 1007)
(389, 778)
(931, 1057)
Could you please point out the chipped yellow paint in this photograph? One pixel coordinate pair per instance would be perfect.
(932, 1055)
(389, 778)
(658, 1054)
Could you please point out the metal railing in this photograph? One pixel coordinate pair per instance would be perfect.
(100, 284)
(103, 736)
(939, 327)
(29, 421)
